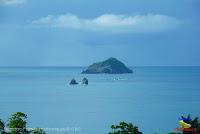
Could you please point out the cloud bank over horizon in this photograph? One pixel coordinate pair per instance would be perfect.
(77, 32)
(11, 2)
(111, 23)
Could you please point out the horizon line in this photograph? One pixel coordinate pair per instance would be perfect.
(87, 66)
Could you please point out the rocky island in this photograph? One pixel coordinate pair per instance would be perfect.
(73, 82)
(109, 66)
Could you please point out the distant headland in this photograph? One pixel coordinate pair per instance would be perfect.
(109, 66)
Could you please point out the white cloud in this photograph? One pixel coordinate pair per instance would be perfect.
(111, 23)
(11, 2)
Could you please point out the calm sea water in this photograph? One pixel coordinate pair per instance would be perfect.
(153, 98)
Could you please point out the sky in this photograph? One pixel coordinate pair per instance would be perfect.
(80, 32)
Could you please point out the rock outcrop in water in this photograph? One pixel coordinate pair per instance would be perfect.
(85, 81)
(109, 66)
(73, 82)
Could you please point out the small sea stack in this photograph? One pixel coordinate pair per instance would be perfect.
(73, 82)
(84, 81)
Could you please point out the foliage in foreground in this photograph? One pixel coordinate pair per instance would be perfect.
(2, 127)
(124, 128)
(175, 133)
(17, 125)
(38, 131)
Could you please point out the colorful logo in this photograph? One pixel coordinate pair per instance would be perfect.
(185, 122)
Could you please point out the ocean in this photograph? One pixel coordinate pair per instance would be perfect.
(152, 98)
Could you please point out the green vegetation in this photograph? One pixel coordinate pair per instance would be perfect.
(124, 128)
(38, 131)
(2, 127)
(175, 133)
(109, 66)
(17, 125)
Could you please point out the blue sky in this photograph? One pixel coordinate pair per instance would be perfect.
(79, 32)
